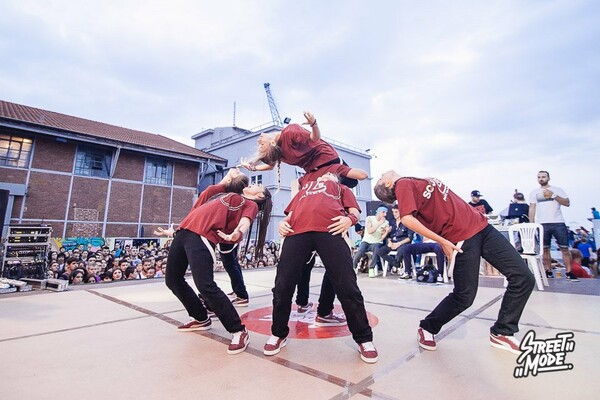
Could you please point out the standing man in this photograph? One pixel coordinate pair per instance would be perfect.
(544, 208)
(479, 204)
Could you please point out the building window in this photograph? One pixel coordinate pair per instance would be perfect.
(256, 180)
(14, 151)
(93, 161)
(356, 190)
(158, 172)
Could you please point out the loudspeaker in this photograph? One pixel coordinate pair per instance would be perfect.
(3, 206)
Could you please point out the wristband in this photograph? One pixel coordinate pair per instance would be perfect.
(313, 124)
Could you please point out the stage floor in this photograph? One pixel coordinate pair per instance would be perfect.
(120, 341)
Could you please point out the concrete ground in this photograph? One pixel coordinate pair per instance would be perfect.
(120, 341)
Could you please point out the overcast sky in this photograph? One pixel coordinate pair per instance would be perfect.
(480, 94)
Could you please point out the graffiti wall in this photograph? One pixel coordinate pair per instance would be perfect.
(95, 243)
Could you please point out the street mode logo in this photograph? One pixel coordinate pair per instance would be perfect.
(544, 355)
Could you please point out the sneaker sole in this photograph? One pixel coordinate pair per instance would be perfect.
(240, 305)
(277, 350)
(502, 346)
(425, 346)
(200, 328)
(323, 324)
(368, 360)
(238, 351)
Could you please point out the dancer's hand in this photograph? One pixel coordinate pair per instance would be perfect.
(234, 236)
(310, 119)
(284, 228)
(164, 232)
(449, 248)
(340, 225)
(247, 164)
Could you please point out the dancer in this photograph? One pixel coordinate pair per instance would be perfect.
(234, 182)
(306, 229)
(216, 217)
(294, 145)
(430, 208)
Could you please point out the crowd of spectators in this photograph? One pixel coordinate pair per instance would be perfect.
(82, 265)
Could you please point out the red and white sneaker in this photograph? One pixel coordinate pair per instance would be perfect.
(306, 308)
(426, 340)
(368, 352)
(239, 302)
(331, 320)
(274, 345)
(194, 325)
(239, 342)
(508, 343)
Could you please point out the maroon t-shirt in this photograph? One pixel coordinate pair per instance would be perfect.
(438, 208)
(298, 149)
(222, 213)
(337, 169)
(317, 203)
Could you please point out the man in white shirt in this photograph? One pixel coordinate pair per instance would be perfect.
(377, 228)
(544, 208)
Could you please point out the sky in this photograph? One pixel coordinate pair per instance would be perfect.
(480, 94)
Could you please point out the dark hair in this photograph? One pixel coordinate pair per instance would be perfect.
(544, 172)
(129, 271)
(72, 260)
(394, 206)
(237, 184)
(385, 194)
(265, 205)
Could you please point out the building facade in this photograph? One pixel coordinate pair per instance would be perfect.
(234, 143)
(89, 179)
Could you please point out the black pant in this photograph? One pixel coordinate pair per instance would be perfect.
(383, 254)
(327, 295)
(493, 247)
(188, 248)
(233, 269)
(335, 254)
(411, 251)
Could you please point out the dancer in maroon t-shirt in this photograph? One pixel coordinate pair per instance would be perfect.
(430, 208)
(217, 217)
(307, 228)
(294, 145)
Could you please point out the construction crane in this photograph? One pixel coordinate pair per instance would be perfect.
(274, 112)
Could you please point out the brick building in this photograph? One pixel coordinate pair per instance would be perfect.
(90, 179)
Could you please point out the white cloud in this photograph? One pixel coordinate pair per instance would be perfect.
(479, 94)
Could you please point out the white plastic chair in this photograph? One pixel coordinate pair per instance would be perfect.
(531, 235)
(433, 258)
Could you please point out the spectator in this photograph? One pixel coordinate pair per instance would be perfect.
(544, 208)
(518, 210)
(586, 249)
(377, 228)
(53, 270)
(409, 253)
(70, 266)
(92, 268)
(150, 272)
(399, 237)
(131, 273)
(595, 213)
(117, 274)
(479, 204)
(106, 277)
(576, 266)
(77, 277)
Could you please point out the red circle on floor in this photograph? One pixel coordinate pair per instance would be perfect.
(302, 326)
